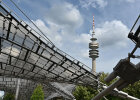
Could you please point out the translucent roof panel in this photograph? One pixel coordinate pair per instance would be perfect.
(25, 55)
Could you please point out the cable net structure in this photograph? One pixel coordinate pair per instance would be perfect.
(25, 55)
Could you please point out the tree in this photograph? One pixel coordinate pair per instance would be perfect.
(103, 76)
(82, 93)
(0, 98)
(87, 93)
(133, 90)
(38, 93)
(109, 97)
(9, 96)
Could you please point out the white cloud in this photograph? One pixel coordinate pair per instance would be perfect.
(130, 1)
(61, 22)
(51, 31)
(113, 33)
(85, 53)
(66, 16)
(83, 38)
(110, 34)
(93, 3)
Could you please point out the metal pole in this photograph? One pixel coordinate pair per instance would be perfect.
(17, 90)
(108, 90)
(110, 77)
(103, 96)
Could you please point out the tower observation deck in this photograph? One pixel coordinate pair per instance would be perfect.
(93, 52)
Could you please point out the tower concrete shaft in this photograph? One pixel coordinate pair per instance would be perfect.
(93, 52)
(93, 65)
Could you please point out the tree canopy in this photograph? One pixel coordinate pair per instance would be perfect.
(87, 93)
(83, 93)
(9, 96)
(38, 93)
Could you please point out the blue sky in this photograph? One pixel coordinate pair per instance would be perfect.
(68, 23)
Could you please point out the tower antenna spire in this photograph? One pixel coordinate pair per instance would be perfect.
(93, 26)
(93, 46)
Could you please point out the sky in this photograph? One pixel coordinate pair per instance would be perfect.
(68, 24)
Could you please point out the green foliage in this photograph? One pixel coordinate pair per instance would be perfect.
(38, 93)
(9, 96)
(103, 76)
(109, 97)
(133, 90)
(83, 93)
(87, 93)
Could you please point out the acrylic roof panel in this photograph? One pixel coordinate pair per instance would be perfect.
(24, 54)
